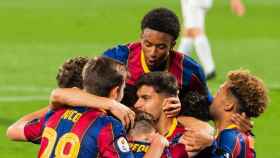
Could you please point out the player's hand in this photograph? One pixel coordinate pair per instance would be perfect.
(196, 140)
(237, 7)
(123, 113)
(158, 140)
(171, 106)
(242, 122)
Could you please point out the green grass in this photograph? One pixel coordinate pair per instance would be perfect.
(37, 36)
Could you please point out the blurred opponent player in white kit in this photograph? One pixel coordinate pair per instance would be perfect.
(194, 12)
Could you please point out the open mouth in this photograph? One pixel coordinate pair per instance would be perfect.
(152, 62)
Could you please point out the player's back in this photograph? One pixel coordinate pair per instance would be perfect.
(82, 132)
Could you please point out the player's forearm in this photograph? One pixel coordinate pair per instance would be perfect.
(78, 97)
(196, 124)
(15, 132)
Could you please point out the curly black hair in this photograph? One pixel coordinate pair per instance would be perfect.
(70, 73)
(162, 20)
(250, 92)
(196, 105)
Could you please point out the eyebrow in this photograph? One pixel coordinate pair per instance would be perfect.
(145, 40)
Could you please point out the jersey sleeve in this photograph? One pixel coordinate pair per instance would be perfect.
(197, 79)
(119, 53)
(112, 141)
(227, 145)
(33, 130)
(194, 81)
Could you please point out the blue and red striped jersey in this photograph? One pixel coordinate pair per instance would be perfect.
(79, 132)
(231, 143)
(189, 74)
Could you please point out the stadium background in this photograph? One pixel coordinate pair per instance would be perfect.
(36, 37)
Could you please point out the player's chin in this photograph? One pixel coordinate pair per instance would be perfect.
(153, 65)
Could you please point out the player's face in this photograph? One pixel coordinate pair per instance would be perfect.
(220, 99)
(156, 46)
(149, 101)
(121, 92)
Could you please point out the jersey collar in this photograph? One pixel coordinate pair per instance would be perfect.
(172, 128)
(231, 126)
(145, 66)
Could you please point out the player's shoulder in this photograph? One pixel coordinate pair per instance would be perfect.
(186, 59)
(106, 124)
(122, 48)
(230, 132)
(189, 62)
(50, 113)
(191, 69)
(229, 137)
(134, 45)
(122, 51)
(119, 52)
(108, 120)
(177, 133)
(180, 127)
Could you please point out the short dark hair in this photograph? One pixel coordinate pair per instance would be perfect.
(102, 74)
(249, 91)
(162, 82)
(196, 105)
(144, 124)
(70, 73)
(162, 20)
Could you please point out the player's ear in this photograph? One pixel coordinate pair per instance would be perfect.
(229, 106)
(141, 34)
(229, 103)
(114, 93)
(173, 43)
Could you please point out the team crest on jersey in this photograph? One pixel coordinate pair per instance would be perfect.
(123, 144)
(227, 155)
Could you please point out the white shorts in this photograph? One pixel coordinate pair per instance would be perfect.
(194, 12)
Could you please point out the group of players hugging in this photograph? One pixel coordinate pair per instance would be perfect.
(144, 99)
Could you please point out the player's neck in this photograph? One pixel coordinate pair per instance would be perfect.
(160, 67)
(223, 122)
(164, 124)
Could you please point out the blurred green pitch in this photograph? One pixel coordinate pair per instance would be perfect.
(36, 37)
